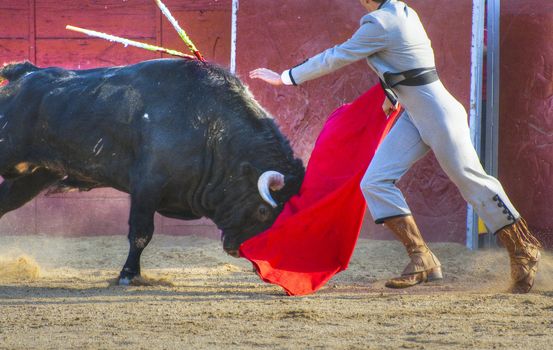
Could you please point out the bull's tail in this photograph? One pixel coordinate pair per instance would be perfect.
(14, 71)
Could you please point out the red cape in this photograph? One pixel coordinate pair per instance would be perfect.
(314, 236)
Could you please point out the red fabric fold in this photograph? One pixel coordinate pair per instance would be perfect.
(315, 235)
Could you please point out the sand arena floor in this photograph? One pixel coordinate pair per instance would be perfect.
(56, 293)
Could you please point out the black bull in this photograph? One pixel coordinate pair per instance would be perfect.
(184, 138)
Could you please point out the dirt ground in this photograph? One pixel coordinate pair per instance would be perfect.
(57, 293)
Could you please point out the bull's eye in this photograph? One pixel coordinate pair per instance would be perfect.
(263, 213)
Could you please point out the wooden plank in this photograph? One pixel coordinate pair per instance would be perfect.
(198, 5)
(32, 30)
(159, 28)
(88, 53)
(13, 50)
(130, 19)
(64, 216)
(210, 31)
(525, 105)
(13, 19)
(209, 231)
(20, 222)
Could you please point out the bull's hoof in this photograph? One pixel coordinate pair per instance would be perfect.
(125, 281)
(126, 278)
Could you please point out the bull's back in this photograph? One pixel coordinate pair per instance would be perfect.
(100, 122)
(97, 122)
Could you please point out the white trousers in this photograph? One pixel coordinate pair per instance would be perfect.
(433, 119)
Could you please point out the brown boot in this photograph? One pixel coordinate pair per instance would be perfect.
(524, 253)
(424, 266)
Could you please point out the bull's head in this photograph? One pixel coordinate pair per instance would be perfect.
(252, 205)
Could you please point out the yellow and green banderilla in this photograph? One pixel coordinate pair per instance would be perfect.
(179, 30)
(128, 42)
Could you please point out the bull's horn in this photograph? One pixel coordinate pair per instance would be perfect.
(270, 180)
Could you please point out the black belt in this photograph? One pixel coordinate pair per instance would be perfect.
(413, 77)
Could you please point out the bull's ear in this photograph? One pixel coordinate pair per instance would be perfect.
(246, 169)
(293, 183)
(291, 187)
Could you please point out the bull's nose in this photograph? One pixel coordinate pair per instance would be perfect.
(229, 245)
(233, 252)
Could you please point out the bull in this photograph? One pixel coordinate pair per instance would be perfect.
(184, 138)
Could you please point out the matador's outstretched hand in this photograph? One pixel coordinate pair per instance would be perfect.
(266, 75)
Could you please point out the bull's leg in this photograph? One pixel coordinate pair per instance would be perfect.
(144, 202)
(18, 191)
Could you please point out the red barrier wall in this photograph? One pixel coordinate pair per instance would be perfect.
(526, 124)
(274, 34)
(281, 34)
